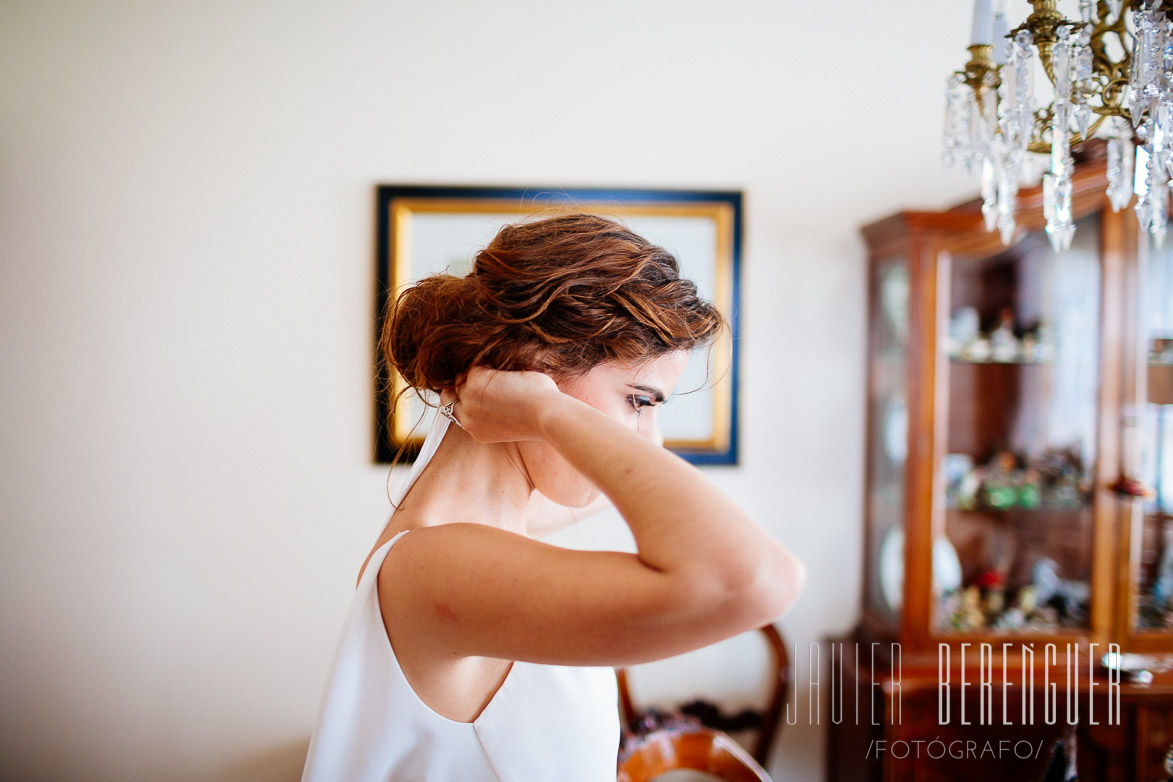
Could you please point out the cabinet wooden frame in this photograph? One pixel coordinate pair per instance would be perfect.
(904, 672)
(929, 241)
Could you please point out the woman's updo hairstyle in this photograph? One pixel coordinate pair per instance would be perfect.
(559, 295)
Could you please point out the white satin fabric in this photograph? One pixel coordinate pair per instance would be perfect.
(545, 722)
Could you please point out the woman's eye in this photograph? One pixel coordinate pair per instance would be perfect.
(639, 402)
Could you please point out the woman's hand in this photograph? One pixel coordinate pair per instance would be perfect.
(496, 406)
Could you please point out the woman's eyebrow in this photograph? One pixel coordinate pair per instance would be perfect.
(656, 393)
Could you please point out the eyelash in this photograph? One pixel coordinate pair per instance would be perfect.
(639, 402)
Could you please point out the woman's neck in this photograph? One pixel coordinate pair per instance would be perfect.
(467, 482)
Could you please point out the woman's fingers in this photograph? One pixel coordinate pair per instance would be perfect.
(500, 406)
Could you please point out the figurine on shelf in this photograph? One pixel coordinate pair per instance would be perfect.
(1011, 619)
(978, 350)
(989, 582)
(1038, 343)
(969, 487)
(964, 329)
(988, 579)
(957, 467)
(1000, 489)
(995, 601)
(1030, 492)
(1045, 579)
(1073, 602)
(1004, 346)
(984, 605)
(972, 617)
(965, 340)
(1027, 600)
(1013, 480)
(949, 608)
(1065, 600)
(965, 610)
(1050, 603)
(1030, 348)
(1044, 620)
(1066, 484)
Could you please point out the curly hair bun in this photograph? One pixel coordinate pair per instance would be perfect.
(558, 295)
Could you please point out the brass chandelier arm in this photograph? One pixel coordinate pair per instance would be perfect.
(980, 71)
(1043, 23)
(1101, 62)
(1110, 76)
(1044, 147)
(1110, 66)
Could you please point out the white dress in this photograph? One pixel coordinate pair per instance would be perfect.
(546, 722)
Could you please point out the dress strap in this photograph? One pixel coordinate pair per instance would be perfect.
(431, 443)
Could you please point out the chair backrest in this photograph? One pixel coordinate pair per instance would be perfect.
(766, 720)
(1062, 766)
(699, 750)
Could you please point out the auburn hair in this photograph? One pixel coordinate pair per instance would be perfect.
(558, 295)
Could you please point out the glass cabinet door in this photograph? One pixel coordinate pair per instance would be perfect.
(1154, 429)
(887, 435)
(1020, 358)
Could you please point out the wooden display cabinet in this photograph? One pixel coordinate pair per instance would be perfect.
(1014, 395)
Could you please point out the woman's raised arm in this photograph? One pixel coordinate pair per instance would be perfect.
(704, 570)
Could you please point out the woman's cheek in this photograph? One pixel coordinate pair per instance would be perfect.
(648, 425)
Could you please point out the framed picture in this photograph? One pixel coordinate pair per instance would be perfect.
(424, 230)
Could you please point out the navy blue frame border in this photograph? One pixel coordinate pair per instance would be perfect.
(539, 197)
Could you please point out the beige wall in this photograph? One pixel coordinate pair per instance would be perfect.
(186, 276)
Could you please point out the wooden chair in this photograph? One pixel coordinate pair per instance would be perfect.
(700, 749)
(1062, 765)
(763, 722)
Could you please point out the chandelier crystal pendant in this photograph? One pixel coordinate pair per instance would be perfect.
(1112, 77)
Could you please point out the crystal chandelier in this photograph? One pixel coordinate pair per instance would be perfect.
(1112, 74)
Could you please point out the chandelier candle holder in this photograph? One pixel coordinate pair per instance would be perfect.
(1111, 74)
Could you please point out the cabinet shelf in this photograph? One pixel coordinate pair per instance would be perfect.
(991, 362)
(1040, 510)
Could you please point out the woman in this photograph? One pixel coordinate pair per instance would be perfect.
(473, 651)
